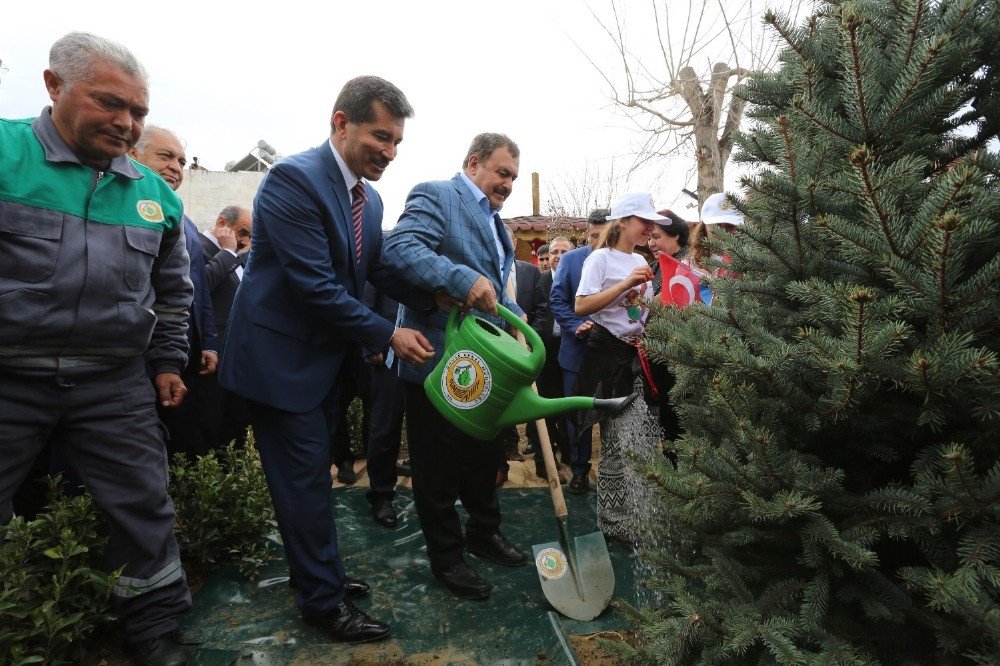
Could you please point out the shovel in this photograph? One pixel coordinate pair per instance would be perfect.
(575, 572)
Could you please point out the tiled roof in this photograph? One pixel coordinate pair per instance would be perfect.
(545, 223)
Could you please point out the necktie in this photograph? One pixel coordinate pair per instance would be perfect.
(357, 206)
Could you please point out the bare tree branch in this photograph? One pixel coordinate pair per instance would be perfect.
(678, 111)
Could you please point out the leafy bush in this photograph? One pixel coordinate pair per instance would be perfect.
(224, 512)
(53, 591)
(356, 430)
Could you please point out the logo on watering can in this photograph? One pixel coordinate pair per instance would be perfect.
(466, 380)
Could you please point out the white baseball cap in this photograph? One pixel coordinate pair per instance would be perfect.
(717, 209)
(639, 204)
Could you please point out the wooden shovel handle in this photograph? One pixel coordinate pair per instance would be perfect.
(558, 501)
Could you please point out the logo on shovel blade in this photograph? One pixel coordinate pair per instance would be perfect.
(551, 563)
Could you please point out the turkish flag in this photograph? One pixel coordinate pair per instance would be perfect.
(680, 283)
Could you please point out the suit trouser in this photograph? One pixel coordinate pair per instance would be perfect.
(104, 426)
(550, 385)
(295, 454)
(447, 465)
(191, 425)
(234, 417)
(580, 446)
(231, 411)
(386, 429)
(506, 440)
(353, 381)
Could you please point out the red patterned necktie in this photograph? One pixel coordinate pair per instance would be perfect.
(357, 206)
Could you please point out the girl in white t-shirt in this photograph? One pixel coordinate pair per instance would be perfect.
(614, 290)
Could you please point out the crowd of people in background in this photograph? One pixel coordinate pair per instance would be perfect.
(117, 314)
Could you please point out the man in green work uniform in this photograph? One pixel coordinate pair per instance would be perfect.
(93, 286)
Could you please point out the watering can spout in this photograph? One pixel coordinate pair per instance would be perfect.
(615, 406)
(528, 406)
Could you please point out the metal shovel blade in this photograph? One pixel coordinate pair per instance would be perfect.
(579, 586)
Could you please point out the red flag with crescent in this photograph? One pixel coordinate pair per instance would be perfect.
(680, 283)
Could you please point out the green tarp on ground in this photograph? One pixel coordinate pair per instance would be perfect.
(238, 621)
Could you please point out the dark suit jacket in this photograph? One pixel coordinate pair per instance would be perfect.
(545, 328)
(562, 300)
(297, 312)
(202, 333)
(379, 303)
(530, 296)
(220, 273)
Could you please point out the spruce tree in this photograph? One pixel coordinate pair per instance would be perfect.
(837, 491)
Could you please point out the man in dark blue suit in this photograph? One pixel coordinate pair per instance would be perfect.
(574, 330)
(297, 315)
(189, 423)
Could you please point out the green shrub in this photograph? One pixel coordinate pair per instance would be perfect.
(53, 591)
(356, 430)
(224, 512)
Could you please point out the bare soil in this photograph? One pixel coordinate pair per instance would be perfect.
(589, 652)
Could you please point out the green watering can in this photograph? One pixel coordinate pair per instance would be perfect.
(483, 383)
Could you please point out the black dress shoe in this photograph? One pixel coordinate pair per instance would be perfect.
(346, 624)
(163, 650)
(403, 468)
(384, 512)
(354, 588)
(498, 548)
(346, 473)
(463, 581)
(579, 485)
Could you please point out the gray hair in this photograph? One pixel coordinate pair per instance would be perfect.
(598, 216)
(147, 136)
(231, 213)
(484, 144)
(72, 58)
(357, 96)
(560, 238)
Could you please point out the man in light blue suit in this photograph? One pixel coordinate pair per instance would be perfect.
(450, 240)
(575, 330)
(297, 314)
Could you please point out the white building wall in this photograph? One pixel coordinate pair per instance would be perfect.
(205, 193)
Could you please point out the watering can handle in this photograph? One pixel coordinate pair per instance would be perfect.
(537, 346)
(532, 337)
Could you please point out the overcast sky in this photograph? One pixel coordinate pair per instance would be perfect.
(224, 75)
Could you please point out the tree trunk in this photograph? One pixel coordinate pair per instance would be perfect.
(712, 142)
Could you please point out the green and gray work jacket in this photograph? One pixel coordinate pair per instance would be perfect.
(93, 268)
